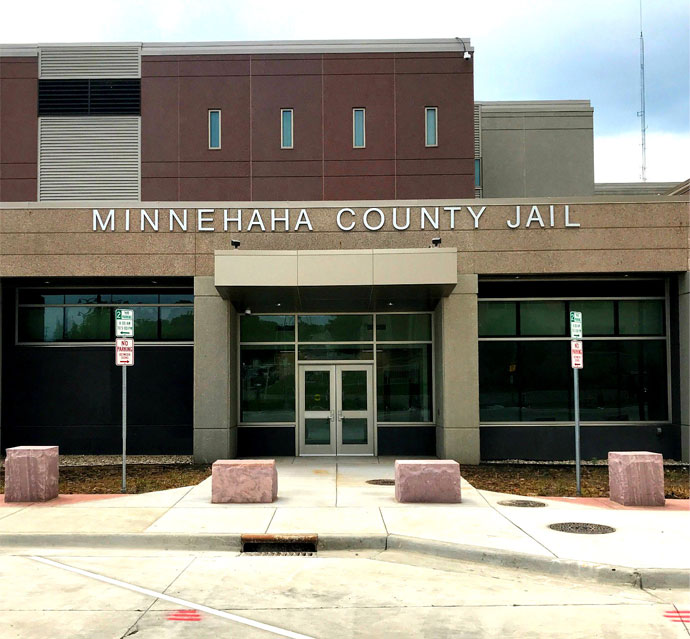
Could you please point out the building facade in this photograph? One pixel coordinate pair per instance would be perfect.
(322, 259)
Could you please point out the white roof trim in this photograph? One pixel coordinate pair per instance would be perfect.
(270, 46)
(18, 50)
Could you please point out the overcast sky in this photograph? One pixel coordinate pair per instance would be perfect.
(524, 50)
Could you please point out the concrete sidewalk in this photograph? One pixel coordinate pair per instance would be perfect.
(330, 497)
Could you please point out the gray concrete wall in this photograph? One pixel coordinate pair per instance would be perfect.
(457, 374)
(537, 149)
(215, 432)
(684, 333)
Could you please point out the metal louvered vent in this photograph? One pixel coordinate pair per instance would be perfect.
(123, 61)
(90, 157)
(477, 130)
(89, 97)
(478, 190)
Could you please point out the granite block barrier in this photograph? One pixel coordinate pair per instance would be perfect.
(636, 478)
(31, 473)
(244, 481)
(433, 480)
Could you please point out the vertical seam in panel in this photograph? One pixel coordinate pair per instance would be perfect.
(323, 134)
(524, 156)
(395, 132)
(179, 143)
(251, 127)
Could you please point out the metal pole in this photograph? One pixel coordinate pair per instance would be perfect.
(124, 429)
(576, 385)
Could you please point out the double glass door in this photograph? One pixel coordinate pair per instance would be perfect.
(336, 409)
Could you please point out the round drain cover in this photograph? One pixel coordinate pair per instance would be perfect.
(582, 528)
(522, 503)
(381, 482)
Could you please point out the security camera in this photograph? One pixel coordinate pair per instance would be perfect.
(436, 241)
(467, 55)
(235, 244)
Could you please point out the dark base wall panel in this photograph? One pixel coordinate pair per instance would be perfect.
(266, 440)
(407, 440)
(544, 443)
(105, 440)
(72, 397)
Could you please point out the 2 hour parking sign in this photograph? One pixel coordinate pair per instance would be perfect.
(124, 322)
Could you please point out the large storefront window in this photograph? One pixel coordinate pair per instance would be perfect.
(272, 346)
(403, 375)
(87, 315)
(267, 384)
(524, 360)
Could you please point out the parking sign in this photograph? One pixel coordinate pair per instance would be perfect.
(124, 322)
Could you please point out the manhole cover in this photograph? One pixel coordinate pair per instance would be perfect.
(381, 482)
(582, 528)
(522, 503)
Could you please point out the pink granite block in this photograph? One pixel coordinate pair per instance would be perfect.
(31, 473)
(244, 481)
(636, 478)
(433, 480)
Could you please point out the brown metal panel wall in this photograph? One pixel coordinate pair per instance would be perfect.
(18, 129)
(287, 83)
(352, 81)
(447, 170)
(177, 92)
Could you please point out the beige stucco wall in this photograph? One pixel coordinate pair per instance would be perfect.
(638, 235)
(457, 373)
(538, 149)
(215, 429)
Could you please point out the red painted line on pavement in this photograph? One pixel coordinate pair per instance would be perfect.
(185, 615)
(678, 615)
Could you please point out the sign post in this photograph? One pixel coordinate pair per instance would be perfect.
(576, 361)
(124, 357)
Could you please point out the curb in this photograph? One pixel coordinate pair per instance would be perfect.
(156, 541)
(600, 573)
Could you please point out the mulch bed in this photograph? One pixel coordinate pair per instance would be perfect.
(519, 479)
(559, 480)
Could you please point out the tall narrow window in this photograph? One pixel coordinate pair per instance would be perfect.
(214, 129)
(286, 128)
(358, 129)
(431, 126)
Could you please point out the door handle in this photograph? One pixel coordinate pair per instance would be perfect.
(340, 416)
(330, 416)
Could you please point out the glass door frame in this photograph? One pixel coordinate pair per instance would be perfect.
(368, 413)
(303, 414)
(336, 414)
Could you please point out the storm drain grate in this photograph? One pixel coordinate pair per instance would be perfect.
(522, 503)
(582, 528)
(280, 545)
(381, 482)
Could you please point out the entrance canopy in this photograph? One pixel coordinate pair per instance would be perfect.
(348, 280)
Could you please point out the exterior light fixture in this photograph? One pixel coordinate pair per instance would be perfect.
(235, 244)
(436, 241)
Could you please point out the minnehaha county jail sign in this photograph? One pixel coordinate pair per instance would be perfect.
(347, 218)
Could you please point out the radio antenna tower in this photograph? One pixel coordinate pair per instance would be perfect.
(641, 113)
